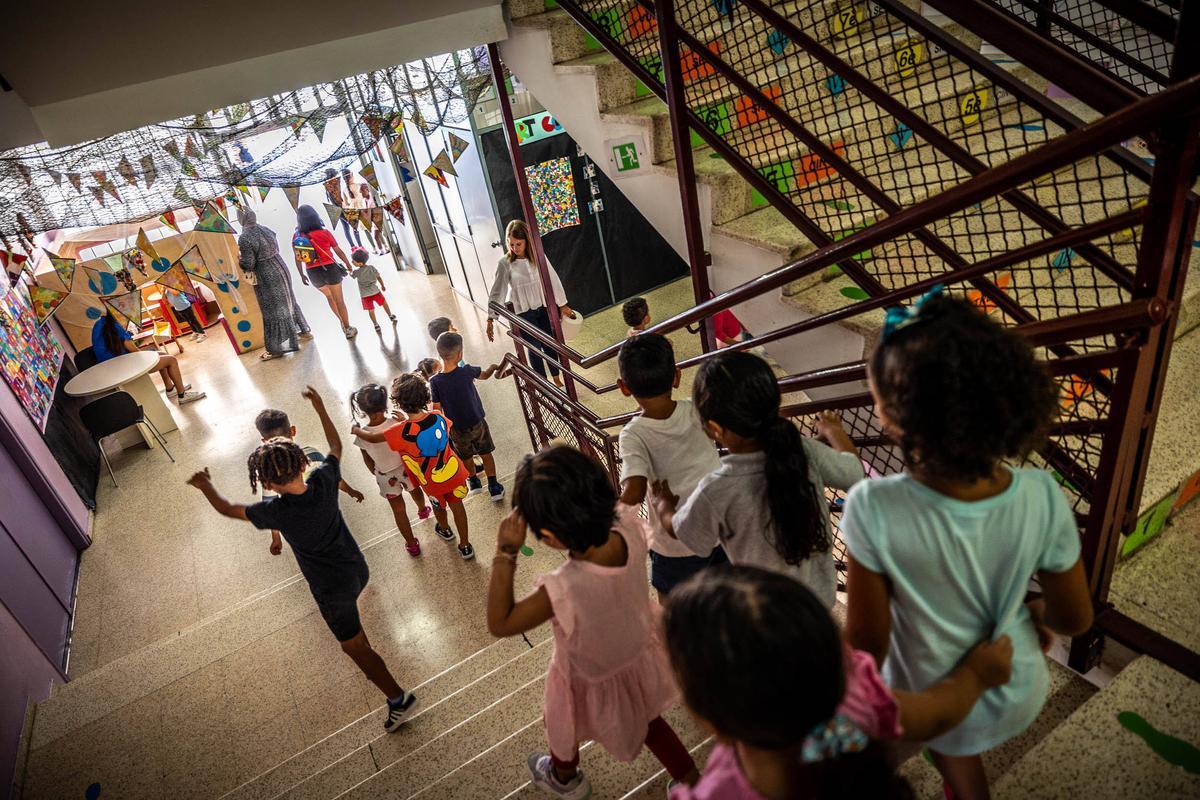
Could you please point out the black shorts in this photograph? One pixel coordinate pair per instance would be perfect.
(326, 275)
(340, 611)
(473, 441)
(666, 572)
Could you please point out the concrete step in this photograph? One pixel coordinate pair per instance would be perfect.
(1118, 743)
(656, 787)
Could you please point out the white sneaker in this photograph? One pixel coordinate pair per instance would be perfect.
(541, 773)
(202, 337)
(191, 397)
(350, 331)
(194, 336)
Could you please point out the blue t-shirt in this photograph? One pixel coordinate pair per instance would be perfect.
(98, 345)
(959, 572)
(456, 391)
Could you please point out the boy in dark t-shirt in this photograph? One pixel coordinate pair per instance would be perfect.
(454, 394)
(305, 511)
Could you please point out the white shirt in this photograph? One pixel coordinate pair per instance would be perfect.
(676, 450)
(518, 282)
(386, 459)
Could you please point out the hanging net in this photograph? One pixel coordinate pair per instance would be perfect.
(142, 173)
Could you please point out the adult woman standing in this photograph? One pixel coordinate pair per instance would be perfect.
(283, 321)
(518, 282)
(322, 271)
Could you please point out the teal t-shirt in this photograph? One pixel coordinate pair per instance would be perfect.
(959, 573)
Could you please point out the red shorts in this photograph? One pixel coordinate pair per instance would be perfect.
(372, 300)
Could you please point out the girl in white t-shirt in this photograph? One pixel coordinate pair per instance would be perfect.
(371, 401)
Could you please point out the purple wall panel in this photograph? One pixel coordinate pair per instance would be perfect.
(31, 600)
(35, 532)
(25, 677)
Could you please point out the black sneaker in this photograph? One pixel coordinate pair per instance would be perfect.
(398, 712)
(496, 490)
(466, 551)
(445, 534)
(474, 484)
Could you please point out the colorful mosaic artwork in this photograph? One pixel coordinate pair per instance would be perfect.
(30, 356)
(552, 187)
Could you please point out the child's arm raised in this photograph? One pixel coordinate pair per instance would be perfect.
(505, 616)
(332, 439)
(928, 714)
(203, 481)
(868, 610)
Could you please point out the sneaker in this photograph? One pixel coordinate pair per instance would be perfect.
(350, 331)
(541, 773)
(413, 548)
(445, 534)
(186, 387)
(191, 397)
(474, 484)
(496, 490)
(201, 337)
(194, 336)
(423, 513)
(392, 317)
(305, 335)
(398, 712)
(466, 551)
(378, 329)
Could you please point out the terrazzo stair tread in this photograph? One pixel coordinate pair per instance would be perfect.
(138, 674)
(568, 41)
(655, 787)
(611, 778)
(518, 9)
(1078, 757)
(440, 698)
(443, 759)
(449, 718)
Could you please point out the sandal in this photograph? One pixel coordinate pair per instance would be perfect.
(413, 548)
(268, 355)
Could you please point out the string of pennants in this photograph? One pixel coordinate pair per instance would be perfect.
(443, 163)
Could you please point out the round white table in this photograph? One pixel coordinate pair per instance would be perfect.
(128, 373)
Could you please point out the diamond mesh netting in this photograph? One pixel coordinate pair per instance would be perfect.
(141, 173)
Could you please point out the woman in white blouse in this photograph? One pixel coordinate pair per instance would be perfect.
(517, 282)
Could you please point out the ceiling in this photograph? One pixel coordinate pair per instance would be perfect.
(142, 62)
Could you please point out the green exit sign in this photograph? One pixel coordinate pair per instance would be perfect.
(628, 156)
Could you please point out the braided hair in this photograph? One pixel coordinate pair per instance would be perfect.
(276, 461)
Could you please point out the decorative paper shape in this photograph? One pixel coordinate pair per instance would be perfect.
(374, 123)
(26, 173)
(65, 267)
(457, 146)
(127, 308)
(188, 169)
(97, 194)
(406, 174)
(168, 218)
(211, 221)
(552, 189)
(399, 147)
(30, 357)
(442, 162)
(318, 126)
(115, 262)
(334, 212)
(189, 148)
(177, 278)
(172, 149)
(9, 257)
(143, 245)
(149, 171)
(433, 172)
(193, 263)
(368, 175)
(293, 196)
(296, 122)
(54, 176)
(237, 113)
(395, 207)
(263, 191)
(364, 216)
(125, 170)
(180, 193)
(100, 281)
(73, 179)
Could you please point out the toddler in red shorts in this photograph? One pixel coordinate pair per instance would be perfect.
(370, 286)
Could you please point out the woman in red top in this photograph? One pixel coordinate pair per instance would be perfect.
(323, 271)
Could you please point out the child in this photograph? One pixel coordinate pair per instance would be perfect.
(423, 441)
(728, 329)
(306, 511)
(766, 502)
(942, 554)
(454, 394)
(272, 423)
(428, 367)
(636, 313)
(385, 463)
(181, 304)
(608, 679)
(807, 714)
(370, 287)
(439, 325)
(664, 443)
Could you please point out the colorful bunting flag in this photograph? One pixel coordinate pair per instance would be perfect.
(395, 207)
(115, 262)
(73, 179)
(10, 257)
(218, 201)
(168, 218)
(243, 190)
(364, 217)
(374, 123)
(433, 172)
(54, 176)
(263, 191)
(187, 168)
(443, 163)
(44, 302)
(176, 278)
(237, 113)
(172, 149)
(144, 246)
(149, 171)
(65, 267)
(293, 196)
(334, 212)
(127, 308)
(457, 146)
(189, 148)
(406, 174)
(211, 221)
(318, 126)
(125, 169)
(25, 172)
(368, 174)
(193, 263)
(400, 148)
(97, 193)
(296, 123)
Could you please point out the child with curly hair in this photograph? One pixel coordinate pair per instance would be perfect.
(941, 555)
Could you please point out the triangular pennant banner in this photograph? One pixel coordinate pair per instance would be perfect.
(406, 174)
(219, 202)
(368, 174)
(73, 179)
(181, 194)
(211, 221)
(374, 123)
(334, 212)
(263, 191)
(236, 114)
(168, 218)
(293, 196)
(296, 123)
(395, 207)
(433, 172)
(125, 169)
(44, 302)
(364, 217)
(457, 146)
(25, 172)
(54, 176)
(400, 148)
(172, 149)
(443, 163)
(143, 244)
(65, 267)
(9, 257)
(243, 190)
(149, 171)
(318, 126)
(115, 262)
(176, 278)
(127, 308)
(189, 148)
(187, 168)
(97, 193)
(192, 262)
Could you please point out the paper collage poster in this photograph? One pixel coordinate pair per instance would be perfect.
(193, 263)
(442, 162)
(127, 308)
(30, 357)
(457, 146)
(211, 221)
(552, 189)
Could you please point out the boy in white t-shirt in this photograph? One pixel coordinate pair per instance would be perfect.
(664, 443)
(387, 464)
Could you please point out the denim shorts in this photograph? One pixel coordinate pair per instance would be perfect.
(326, 275)
(666, 572)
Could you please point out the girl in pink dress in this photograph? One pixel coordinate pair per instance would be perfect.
(609, 679)
(796, 712)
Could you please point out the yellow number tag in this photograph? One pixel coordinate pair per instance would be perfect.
(908, 57)
(973, 104)
(846, 21)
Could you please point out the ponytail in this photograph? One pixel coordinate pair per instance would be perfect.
(794, 502)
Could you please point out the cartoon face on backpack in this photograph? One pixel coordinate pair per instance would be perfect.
(305, 250)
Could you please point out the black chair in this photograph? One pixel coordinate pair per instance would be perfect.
(85, 358)
(114, 413)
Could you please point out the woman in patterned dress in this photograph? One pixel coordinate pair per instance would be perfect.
(283, 321)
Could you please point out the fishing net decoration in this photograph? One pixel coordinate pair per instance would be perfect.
(184, 162)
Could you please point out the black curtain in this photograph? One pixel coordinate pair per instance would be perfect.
(70, 442)
(638, 257)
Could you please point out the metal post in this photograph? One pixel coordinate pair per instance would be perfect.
(681, 141)
(538, 257)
